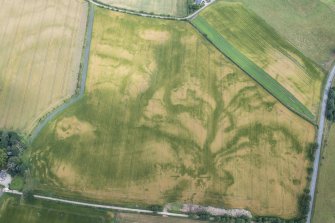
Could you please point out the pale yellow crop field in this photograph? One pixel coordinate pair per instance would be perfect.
(40, 51)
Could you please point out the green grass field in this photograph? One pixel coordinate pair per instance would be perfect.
(13, 210)
(262, 45)
(177, 8)
(325, 196)
(257, 73)
(307, 24)
(166, 117)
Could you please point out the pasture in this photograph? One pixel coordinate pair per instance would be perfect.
(12, 210)
(166, 117)
(307, 24)
(40, 51)
(258, 43)
(325, 194)
(177, 8)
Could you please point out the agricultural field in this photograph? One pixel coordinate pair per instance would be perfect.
(40, 51)
(13, 210)
(307, 24)
(257, 73)
(330, 3)
(177, 8)
(166, 117)
(325, 196)
(253, 40)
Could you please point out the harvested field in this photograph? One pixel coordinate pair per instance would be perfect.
(177, 8)
(40, 51)
(172, 121)
(307, 24)
(254, 39)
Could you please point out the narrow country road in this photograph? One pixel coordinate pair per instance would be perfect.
(6, 190)
(319, 141)
(113, 8)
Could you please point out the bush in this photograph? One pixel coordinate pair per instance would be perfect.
(28, 196)
(17, 183)
(303, 203)
(311, 149)
(156, 208)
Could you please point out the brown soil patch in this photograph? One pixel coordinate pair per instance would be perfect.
(156, 36)
(71, 126)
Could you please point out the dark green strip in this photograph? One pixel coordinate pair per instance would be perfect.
(257, 73)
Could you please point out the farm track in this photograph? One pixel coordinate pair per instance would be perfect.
(117, 208)
(319, 141)
(113, 8)
(82, 79)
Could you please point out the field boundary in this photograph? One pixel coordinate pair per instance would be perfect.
(304, 116)
(316, 164)
(81, 80)
(149, 15)
(110, 207)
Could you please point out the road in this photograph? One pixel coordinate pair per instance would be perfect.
(109, 207)
(113, 8)
(319, 141)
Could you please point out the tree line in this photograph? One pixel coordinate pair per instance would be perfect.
(330, 110)
(205, 216)
(11, 148)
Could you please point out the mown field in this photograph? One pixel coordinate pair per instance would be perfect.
(14, 210)
(166, 117)
(257, 41)
(177, 8)
(325, 194)
(40, 51)
(307, 24)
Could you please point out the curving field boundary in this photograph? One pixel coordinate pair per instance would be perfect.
(81, 83)
(143, 14)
